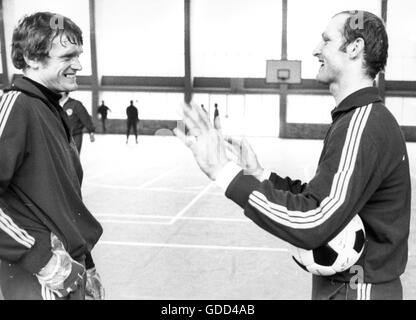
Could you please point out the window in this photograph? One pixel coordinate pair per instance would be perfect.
(243, 115)
(309, 109)
(151, 105)
(234, 38)
(262, 115)
(401, 63)
(140, 38)
(306, 22)
(403, 109)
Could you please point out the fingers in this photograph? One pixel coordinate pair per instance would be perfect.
(232, 140)
(195, 118)
(217, 123)
(232, 148)
(234, 145)
(242, 149)
(232, 153)
(56, 244)
(187, 140)
(202, 115)
(191, 122)
(181, 135)
(246, 145)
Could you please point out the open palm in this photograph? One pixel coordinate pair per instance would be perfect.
(205, 142)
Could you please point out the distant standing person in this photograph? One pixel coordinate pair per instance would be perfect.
(78, 119)
(132, 120)
(217, 124)
(103, 112)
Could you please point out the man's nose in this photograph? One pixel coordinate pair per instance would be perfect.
(76, 64)
(317, 51)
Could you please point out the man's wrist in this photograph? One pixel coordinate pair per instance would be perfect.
(51, 268)
(258, 174)
(228, 172)
(262, 174)
(91, 271)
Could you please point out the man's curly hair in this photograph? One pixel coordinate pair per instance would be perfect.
(34, 34)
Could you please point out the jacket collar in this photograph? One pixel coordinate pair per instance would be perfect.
(34, 89)
(47, 96)
(357, 99)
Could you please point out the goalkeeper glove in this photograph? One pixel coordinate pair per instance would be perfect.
(62, 275)
(94, 289)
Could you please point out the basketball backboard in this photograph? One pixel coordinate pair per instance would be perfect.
(283, 71)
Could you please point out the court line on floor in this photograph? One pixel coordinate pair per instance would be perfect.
(158, 189)
(190, 246)
(191, 203)
(136, 216)
(139, 187)
(131, 222)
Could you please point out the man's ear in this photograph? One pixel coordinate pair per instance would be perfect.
(356, 48)
(33, 64)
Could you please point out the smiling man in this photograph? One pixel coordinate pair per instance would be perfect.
(363, 168)
(46, 232)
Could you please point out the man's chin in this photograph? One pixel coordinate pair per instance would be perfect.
(72, 87)
(321, 80)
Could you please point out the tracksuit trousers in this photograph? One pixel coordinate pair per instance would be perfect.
(18, 284)
(324, 288)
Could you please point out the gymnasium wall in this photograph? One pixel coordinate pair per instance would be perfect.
(129, 54)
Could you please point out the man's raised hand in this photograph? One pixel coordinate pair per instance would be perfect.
(244, 156)
(206, 143)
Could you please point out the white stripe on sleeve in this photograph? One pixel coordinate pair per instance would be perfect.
(337, 195)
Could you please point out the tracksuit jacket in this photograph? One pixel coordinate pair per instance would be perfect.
(363, 169)
(78, 117)
(40, 180)
(132, 113)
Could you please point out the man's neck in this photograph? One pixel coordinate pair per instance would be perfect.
(343, 89)
(34, 77)
(52, 96)
(63, 101)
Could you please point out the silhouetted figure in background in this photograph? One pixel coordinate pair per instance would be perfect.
(102, 111)
(132, 120)
(217, 124)
(78, 119)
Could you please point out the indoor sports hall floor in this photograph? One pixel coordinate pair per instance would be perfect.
(170, 234)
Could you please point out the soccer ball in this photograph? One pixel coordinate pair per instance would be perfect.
(337, 255)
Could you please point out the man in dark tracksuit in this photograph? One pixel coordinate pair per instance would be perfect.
(132, 120)
(102, 111)
(78, 119)
(46, 232)
(356, 175)
(363, 169)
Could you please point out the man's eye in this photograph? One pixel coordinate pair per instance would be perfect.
(69, 58)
